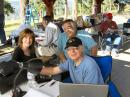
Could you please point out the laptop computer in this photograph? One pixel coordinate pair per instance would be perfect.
(82, 90)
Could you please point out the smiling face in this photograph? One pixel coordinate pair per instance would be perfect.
(75, 53)
(70, 29)
(27, 41)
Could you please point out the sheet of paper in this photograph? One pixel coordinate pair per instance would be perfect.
(35, 93)
(52, 90)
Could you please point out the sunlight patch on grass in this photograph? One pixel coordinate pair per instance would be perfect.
(11, 25)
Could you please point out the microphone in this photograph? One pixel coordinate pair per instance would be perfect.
(74, 65)
(33, 66)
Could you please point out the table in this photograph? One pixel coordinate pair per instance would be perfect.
(47, 90)
(6, 53)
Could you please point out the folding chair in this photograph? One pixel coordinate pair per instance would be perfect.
(126, 32)
(105, 65)
(102, 40)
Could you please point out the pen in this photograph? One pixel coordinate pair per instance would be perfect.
(42, 85)
(52, 83)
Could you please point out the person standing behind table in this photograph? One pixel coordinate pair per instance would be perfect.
(82, 68)
(25, 50)
(2, 23)
(110, 29)
(70, 30)
(48, 46)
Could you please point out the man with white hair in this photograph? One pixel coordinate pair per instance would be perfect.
(82, 68)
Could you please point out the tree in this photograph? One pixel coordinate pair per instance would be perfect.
(121, 5)
(49, 7)
(75, 10)
(60, 8)
(5, 8)
(86, 6)
(8, 8)
(66, 9)
(97, 6)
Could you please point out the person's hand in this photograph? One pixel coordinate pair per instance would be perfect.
(110, 30)
(41, 72)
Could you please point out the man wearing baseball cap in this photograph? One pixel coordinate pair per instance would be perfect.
(82, 68)
(110, 31)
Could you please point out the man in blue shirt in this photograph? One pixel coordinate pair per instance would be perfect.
(82, 68)
(70, 30)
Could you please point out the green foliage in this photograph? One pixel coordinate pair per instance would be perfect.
(37, 7)
(59, 7)
(85, 6)
(84, 9)
(8, 9)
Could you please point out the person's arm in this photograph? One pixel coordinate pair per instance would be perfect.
(56, 70)
(94, 50)
(89, 43)
(50, 70)
(48, 35)
(60, 45)
(92, 75)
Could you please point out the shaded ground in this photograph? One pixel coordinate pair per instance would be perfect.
(121, 64)
(121, 70)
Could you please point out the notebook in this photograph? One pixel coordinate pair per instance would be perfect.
(82, 90)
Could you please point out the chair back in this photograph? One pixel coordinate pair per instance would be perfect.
(105, 65)
(126, 25)
(126, 28)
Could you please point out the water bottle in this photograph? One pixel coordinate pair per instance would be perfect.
(13, 41)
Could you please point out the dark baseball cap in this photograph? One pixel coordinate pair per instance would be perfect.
(74, 41)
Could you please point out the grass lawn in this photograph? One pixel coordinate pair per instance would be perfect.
(11, 25)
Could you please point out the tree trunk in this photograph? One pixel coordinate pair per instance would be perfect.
(75, 9)
(2, 23)
(97, 6)
(49, 7)
(66, 9)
